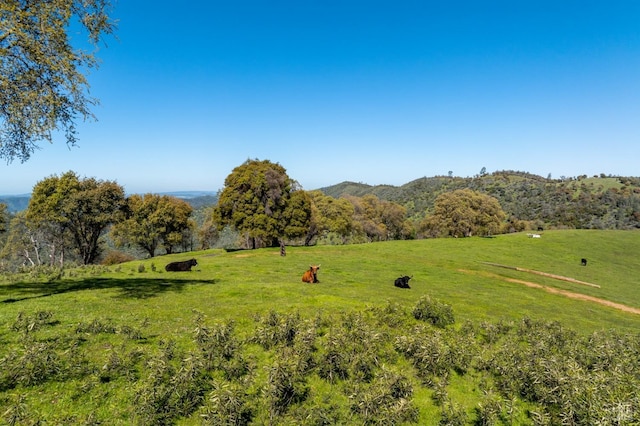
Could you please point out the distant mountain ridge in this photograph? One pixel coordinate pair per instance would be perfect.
(190, 194)
(197, 199)
(15, 203)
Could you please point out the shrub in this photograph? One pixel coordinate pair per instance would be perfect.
(385, 401)
(175, 387)
(428, 351)
(275, 329)
(392, 315)
(116, 257)
(228, 404)
(434, 312)
(453, 415)
(286, 385)
(27, 324)
(219, 348)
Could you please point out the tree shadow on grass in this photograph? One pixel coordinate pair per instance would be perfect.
(128, 288)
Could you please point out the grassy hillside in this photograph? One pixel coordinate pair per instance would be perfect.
(116, 332)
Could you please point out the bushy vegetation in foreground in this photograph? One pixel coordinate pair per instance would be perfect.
(383, 365)
(241, 340)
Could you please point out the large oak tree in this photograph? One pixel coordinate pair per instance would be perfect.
(42, 86)
(80, 209)
(463, 213)
(153, 221)
(258, 200)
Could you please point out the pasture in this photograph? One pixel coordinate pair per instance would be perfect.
(120, 323)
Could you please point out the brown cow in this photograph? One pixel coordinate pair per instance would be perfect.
(311, 276)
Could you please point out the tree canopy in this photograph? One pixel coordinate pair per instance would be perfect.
(42, 87)
(330, 215)
(80, 209)
(258, 201)
(379, 220)
(152, 221)
(463, 213)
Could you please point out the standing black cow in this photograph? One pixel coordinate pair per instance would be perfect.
(403, 282)
(584, 262)
(181, 266)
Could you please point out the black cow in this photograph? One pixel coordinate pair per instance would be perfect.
(584, 262)
(181, 266)
(403, 282)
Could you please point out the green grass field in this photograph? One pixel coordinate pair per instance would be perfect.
(241, 286)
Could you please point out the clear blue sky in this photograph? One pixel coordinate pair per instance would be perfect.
(379, 92)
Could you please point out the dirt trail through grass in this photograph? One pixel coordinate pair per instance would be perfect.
(566, 293)
(544, 274)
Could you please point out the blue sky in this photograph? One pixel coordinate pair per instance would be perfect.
(377, 92)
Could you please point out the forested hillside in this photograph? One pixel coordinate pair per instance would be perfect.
(15, 203)
(600, 202)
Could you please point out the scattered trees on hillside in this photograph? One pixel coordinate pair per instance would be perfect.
(258, 201)
(74, 213)
(329, 216)
(42, 88)
(380, 220)
(153, 221)
(261, 206)
(463, 213)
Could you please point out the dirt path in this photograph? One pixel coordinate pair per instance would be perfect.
(544, 274)
(570, 294)
(578, 296)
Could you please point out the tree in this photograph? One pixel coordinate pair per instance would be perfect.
(42, 88)
(208, 233)
(297, 215)
(82, 209)
(380, 220)
(257, 200)
(329, 215)
(463, 213)
(4, 218)
(28, 246)
(152, 221)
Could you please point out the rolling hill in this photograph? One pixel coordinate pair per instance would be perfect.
(600, 202)
(241, 337)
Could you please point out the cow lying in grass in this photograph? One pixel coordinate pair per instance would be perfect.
(311, 276)
(181, 266)
(403, 282)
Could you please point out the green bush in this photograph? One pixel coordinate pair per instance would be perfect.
(227, 404)
(433, 311)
